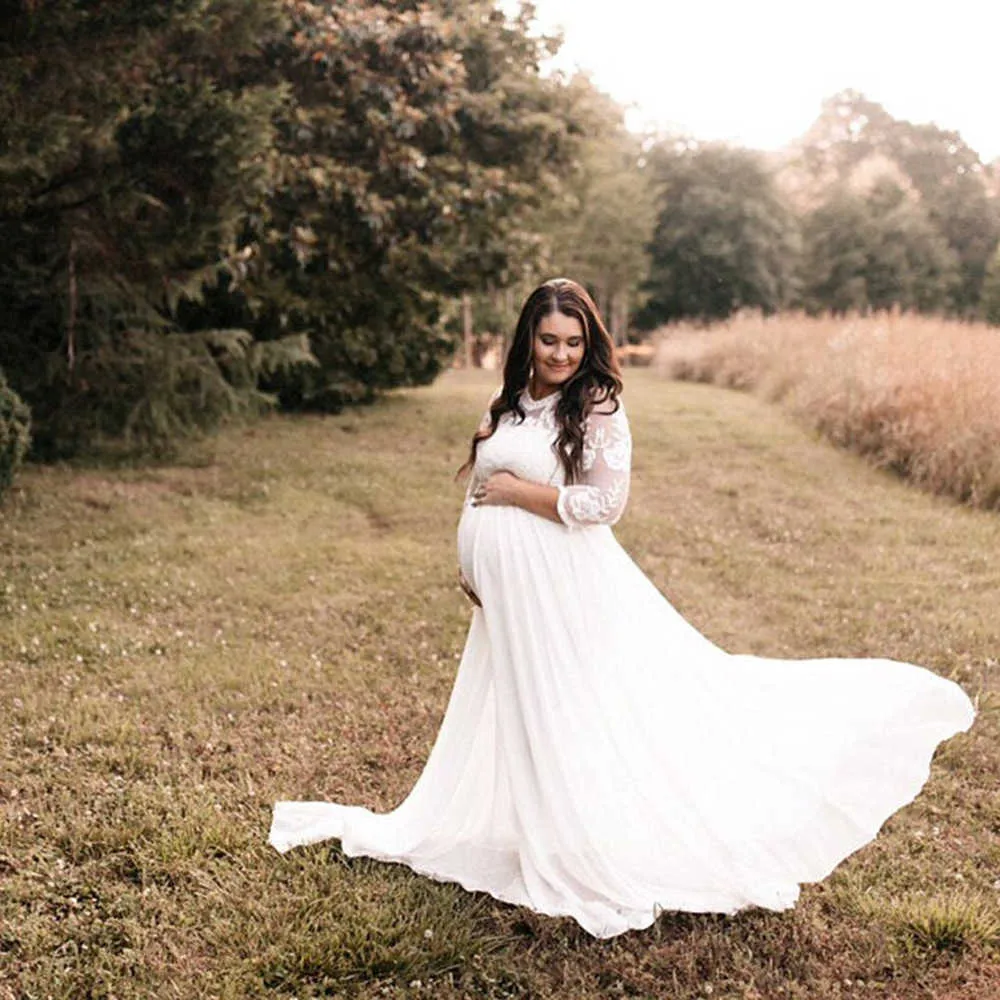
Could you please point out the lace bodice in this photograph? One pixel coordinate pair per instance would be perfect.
(525, 448)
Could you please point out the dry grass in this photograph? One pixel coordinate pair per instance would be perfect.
(278, 617)
(916, 395)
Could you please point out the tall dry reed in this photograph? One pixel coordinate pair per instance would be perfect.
(915, 394)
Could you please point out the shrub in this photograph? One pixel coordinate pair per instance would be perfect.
(15, 433)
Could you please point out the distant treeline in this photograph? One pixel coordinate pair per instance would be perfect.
(865, 213)
(212, 206)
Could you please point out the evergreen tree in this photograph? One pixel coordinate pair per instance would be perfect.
(132, 151)
(15, 433)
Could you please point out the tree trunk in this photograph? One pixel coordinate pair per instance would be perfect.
(508, 331)
(604, 305)
(71, 319)
(467, 329)
(620, 310)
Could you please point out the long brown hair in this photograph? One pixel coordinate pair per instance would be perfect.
(597, 380)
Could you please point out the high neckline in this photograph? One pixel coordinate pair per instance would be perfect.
(535, 404)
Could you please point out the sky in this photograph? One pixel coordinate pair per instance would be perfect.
(756, 72)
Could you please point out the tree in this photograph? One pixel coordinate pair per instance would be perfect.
(942, 170)
(132, 152)
(836, 247)
(15, 433)
(723, 240)
(598, 231)
(875, 251)
(951, 179)
(204, 199)
(416, 139)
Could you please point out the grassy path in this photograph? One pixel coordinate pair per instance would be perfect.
(277, 617)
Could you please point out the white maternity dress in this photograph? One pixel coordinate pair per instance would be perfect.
(601, 759)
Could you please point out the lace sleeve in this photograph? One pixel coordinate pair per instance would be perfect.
(601, 494)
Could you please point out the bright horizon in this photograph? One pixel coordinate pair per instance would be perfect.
(758, 74)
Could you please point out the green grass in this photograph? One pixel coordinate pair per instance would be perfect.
(277, 616)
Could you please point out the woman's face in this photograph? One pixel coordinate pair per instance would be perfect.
(557, 350)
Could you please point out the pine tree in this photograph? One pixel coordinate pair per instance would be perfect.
(15, 433)
(132, 153)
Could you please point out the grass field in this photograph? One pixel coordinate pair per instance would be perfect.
(277, 616)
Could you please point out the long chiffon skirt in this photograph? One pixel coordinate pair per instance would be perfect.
(601, 759)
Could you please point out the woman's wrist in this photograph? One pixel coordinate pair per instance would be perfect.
(540, 499)
(521, 493)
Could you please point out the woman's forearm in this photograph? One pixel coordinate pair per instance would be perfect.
(539, 499)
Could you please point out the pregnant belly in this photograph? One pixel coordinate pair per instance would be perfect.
(487, 538)
(476, 537)
(507, 543)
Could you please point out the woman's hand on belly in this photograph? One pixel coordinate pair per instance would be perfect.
(501, 489)
(504, 489)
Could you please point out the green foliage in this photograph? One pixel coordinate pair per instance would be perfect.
(146, 389)
(129, 165)
(892, 215)
(724, 238)
(598, 230)
(215, 204)
(415, 141)
(211, 206)
(874, 252)
(15, 433)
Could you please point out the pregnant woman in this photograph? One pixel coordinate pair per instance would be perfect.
(599, 757)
